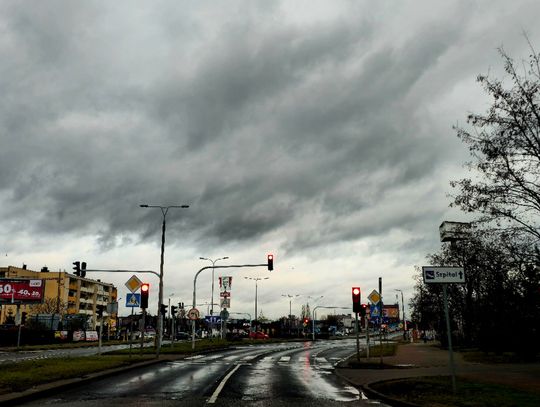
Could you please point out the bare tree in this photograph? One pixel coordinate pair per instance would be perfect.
(505, 145)
(49, 306)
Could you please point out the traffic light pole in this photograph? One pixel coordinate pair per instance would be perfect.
(195, 289)
(131, 332)
(357, 337)
(367, 337)
(142, 328)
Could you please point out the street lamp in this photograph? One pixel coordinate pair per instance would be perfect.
(213, 279)
(403, 307)
(256, 279)
(213, 265)
(290, 296)
(164, 210)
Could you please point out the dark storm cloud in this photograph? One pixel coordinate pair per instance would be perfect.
(261, 125)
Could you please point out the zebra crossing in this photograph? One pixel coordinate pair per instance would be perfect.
(314, 361)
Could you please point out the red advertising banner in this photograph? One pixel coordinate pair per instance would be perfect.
(18, 290)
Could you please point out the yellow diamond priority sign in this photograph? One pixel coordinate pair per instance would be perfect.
(133, 284)
(374, 297)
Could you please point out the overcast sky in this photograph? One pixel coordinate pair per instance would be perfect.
(319, 131)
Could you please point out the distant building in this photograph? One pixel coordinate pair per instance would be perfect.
(65, 294)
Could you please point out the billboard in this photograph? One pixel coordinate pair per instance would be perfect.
(390, 311)
(16, 290)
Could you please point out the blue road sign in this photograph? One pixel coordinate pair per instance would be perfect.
(133, 300)
(213, 319)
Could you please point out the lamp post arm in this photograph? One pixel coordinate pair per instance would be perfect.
(195, 288)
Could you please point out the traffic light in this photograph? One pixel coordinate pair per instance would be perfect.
(100, 309)
(363, 310)
(83, 269)
(145, 290)
(173, 310)
(356, 305)
(77, 267)
(162, 309)
(270, 258)
(306, 321)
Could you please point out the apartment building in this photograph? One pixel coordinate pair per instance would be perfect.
(64, 293)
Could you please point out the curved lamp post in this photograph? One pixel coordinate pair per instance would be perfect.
(213, 279)
(256, 279)
(290, 296)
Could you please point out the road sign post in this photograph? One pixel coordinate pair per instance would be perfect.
(445, 276)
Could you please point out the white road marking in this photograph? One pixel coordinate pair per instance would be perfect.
(195, 357)
(214, 396)
(285, 359)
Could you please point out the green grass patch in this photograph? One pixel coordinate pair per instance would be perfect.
(437, 391)
(23, 375)
(387, 349)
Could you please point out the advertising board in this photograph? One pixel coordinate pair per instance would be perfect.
(21, 290)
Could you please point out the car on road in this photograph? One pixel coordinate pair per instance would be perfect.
(258, 335)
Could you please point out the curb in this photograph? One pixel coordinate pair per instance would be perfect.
(374, 394)
(389, 400)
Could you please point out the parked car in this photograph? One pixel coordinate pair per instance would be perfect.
(258, 335)
(182, 335)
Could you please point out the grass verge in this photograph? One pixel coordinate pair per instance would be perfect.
(23, 375)
(437, 391)
(387, 349)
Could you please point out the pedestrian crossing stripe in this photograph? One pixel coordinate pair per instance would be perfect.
(319, 362)
(285, 359)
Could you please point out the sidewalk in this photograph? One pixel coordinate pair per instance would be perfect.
(427, 359)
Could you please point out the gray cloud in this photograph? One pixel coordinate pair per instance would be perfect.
(310, 131)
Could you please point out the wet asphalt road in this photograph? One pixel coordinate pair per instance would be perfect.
(287, 374)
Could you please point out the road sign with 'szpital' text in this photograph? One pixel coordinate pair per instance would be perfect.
(442, 275)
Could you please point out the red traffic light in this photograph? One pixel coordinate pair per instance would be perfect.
(270, 259)
(145, 291)
(356, 299)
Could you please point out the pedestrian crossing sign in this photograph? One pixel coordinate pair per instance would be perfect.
(133, 300)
